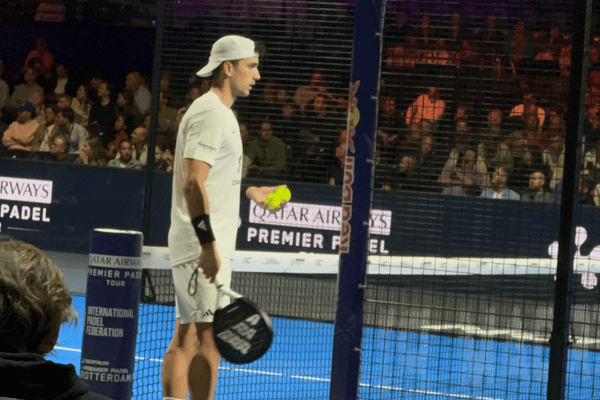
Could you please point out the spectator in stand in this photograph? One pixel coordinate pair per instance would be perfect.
(519, 46)
(46, 132)
(126, 106)
(40, 52)
(37, 99)
(167, 116)
(141, 94)
(402, 177)
(528, 107)
(3, 128)
(462, 178)
(455, 35)
(92, 153)
(111, 142)
(18, 138)
(160, 162)
(555, 126)
(530, 162)
(463, 140)
(103, 111)
(425, 34)
(492, 151)
(64, 101)
(389, 124)
(139, 144)
(537, 192)
(437, 54)
(62, 80)
(125, 159)
(67, 126)
(24, 90)
(193, 94)
(591, 162)
(269, 152)
(335, 172)
(499, 187)
(428, 165)
(289, 124)
(397, 28)
(60, 150)
(554, 158)
(427, 106)
(521, 140)
(95, 82)
(304, 95)
(35, 303)
(549, 45)
(4, 89)
(82, 105)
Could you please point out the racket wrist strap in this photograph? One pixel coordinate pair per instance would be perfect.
(201, 225)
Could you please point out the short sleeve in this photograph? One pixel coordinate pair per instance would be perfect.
(204, 136)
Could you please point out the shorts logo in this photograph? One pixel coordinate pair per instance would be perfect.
(207, 313)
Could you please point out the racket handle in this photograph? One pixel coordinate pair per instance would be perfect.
(228, 292)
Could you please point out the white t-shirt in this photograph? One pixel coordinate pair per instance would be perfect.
(208, 132)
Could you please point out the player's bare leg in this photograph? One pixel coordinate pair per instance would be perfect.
(204, 366)
(177, 360)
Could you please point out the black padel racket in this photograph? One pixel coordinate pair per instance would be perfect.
(242, 331)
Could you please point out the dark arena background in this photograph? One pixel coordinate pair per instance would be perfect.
(483, 230)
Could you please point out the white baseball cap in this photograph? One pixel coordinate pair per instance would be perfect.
(228, 48)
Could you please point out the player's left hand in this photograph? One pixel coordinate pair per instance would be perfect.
(259, 195)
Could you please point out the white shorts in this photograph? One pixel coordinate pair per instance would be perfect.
(202, 305)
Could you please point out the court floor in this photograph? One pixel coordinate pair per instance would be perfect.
(395, 365)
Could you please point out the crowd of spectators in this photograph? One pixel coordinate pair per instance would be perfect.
(463, 111)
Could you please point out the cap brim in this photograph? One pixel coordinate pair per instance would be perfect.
(208, 69)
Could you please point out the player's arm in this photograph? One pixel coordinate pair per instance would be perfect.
(194, 191)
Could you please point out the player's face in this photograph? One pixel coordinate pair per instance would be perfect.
(244, 76)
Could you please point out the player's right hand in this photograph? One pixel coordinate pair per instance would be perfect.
(209, 261)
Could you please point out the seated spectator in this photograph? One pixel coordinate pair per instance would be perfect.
(306, 94)
(167, 115)
(126, 106)
(537, 190)
(549, 45)
(4, 89)
(428, 165)
(462, 179)
(531, 162)
(401, 177)
(37, 99)
(425, 34)
(529, 138)
(427, 106)
(18, 138)
(35, 303)
(40, 52)
(139, 144)
(396, 28)
(528, 107)
(518, 46)
(438, 54)
(268, 154)
(554, 158)
(125, 159)
(24, 90)
(464, 139)
(160, 162)
(92, 153)
(455, 35)
(499, 187)
(60, 150)
(3, 128)
(141, 94)
(47, 131)
(50, 11)
(82, 105)
(112, 140)
(591, 162)
(492, 152)
(62, 80)
(335, 172)
(67, 126)
(103, 111)
(556, 126)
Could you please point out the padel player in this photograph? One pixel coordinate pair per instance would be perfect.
(204, 215)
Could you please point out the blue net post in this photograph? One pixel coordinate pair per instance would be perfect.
(111, 312)
(357, 190)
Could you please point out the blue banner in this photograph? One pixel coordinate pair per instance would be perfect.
(111, 312)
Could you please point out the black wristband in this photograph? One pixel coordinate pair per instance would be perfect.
(201, 225)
